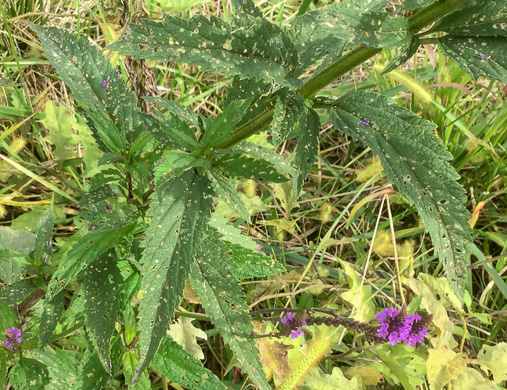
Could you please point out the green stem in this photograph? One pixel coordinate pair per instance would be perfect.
(342, 65)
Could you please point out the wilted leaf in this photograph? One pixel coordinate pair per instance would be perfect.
(186, 334)
(443, 365)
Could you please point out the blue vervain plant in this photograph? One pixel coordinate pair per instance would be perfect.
(162, 177)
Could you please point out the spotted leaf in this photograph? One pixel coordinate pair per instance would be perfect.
(179, 212)
(101, 290)
(248, 47)
(223, 301)
(417, 163)
(110, 112)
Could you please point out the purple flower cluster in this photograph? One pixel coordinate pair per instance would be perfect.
(397, 326)
(13, 336)
(293, 324)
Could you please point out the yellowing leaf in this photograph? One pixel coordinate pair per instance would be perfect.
(62, 130)
(285, 193)
(444, 365)
(442, 287)
(472, 379)
(494, 359)
(440, 319)
(369, 376)
(317, 380)
(186, 334)
(358, 295)
(273, 354)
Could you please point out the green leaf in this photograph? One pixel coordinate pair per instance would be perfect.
(16, 240)
(232, 234)
(91, 246)
(179, 210)
(174, 129)
(29, 374)
(475, 17)
(268, 155)
(91, 373)
(61, 365)
(17, 291)
(413, 4)
(466, 49)
(359, 21)
(314, 45)
(225, 188)
(417, 163)
(7, 317)
(405, 53)
(247, 7)
(175, 162)
(307, 146)
(15, 246)
(177, 110)
(248, 168)
(50, 316)
(111, 112)
(101, 285)
(251, 264)
(247, 46)
(43, 236)
(179, 366)
(130, 360)
(223, 301)
(289, 108)
(220, 128)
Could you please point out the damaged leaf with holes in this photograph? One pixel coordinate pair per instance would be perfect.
(417, 164)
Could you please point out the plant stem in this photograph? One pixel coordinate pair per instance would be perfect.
(342, 65)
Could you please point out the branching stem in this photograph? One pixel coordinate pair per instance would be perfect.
(341, 66)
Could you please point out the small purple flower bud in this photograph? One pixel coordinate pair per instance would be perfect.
(293, 324)
(104, 84)
(481, 57)
(366, 122)
(13, 336)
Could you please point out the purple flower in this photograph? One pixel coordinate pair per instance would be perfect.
(481, 57)
(293, 324)
(418, 330)
(104, 84)
(366, 122)
(13, 336)
(393, 325)
(397, 326)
